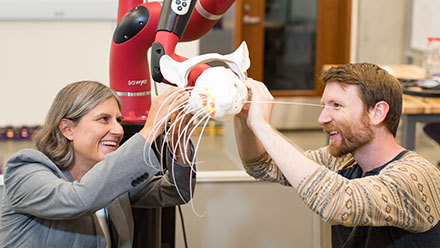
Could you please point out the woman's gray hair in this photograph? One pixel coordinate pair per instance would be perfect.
(72, 102)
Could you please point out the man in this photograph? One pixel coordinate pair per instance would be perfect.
(373, 191)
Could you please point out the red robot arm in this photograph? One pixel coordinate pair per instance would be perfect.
(205, 15)
(129, 74)
(138, 26)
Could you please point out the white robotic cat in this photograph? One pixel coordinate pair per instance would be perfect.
(218, 90)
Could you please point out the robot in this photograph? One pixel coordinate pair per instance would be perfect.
(141, 26)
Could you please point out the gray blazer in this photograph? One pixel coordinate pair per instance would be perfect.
(44, 207)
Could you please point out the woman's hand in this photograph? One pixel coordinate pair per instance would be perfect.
(181, 127)
(160, 111)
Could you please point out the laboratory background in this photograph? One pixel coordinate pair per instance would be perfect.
(46, 44)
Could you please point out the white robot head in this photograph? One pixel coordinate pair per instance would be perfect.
(218, 90)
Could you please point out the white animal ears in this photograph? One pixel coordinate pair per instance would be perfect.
(177, 72)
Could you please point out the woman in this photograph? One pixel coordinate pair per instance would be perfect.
(52, 194)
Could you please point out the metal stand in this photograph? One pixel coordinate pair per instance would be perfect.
(409, 127)
(153, 227)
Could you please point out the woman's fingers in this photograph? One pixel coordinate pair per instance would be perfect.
(181, 128)
(162, 109)
(170, 98)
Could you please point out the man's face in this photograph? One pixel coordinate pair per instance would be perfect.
(344, 119)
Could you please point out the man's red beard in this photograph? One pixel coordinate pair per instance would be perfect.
(352, 134)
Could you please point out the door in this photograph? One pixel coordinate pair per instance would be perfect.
(290, 40)
(249, 27)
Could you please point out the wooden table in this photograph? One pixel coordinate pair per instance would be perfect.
(401, 71)
(415, 108)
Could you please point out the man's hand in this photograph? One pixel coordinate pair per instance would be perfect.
(248, 145)
(260, 109)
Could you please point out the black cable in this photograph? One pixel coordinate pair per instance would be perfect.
(155, 88)
(183, 226)
(178, 206)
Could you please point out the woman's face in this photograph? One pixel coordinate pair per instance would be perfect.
(97, 133)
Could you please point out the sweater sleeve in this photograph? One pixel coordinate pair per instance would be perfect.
(263, 168)
(405, 194)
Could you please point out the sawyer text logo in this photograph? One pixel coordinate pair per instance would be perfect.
(137, 82)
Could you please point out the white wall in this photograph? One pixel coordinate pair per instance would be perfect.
(58, 10)
(381, 31)
(38, 58)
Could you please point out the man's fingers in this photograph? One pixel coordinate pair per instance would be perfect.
(257, 91)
